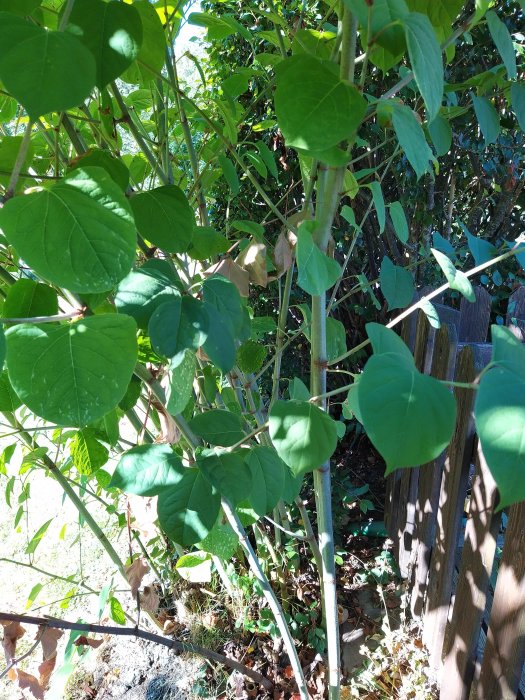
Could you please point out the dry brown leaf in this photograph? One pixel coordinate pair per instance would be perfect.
(45, 670)
(135, 572)
(27, 680)
(169, 432)
(149, 599)
(83, 641)
(228, 268)
(49, 641)
(12, 633)
(253, 260)
(144, 510)
(282, 254)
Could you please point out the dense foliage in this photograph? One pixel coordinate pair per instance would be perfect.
(164, 245)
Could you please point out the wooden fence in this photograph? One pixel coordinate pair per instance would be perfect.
(466, 577)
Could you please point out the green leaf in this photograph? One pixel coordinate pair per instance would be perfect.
(230, 174)
(75, 373)
(164, 217)
(412, 139)
(488, 118)
(142, 291)
(268, 158)
(148, 470)
(195, 567)
(443, 245)
(456, 279)
(397, 214)
(441, 134)
(152, 52)
(163, 327)
(517, 93)
(9, 149)
(304, 436)
(397, 284)
(27, 298)
(500, 423)
(220, 343)
(380, 20)
(218, 427)
(116, 612)
(250, 356)
(227, 472)
(316, 271)
(180, 386)
(379, 204)
(194, 325)
(87, 453)
(501, 37)
(66, 73)
(132, 394)
(268, 475)
(253, 228)
(114, 167)
(384, 340)
(507, 351)
(207, 243)
(430, 312)
(78, 234)
(292, 485)
(9, 401)
(222, 295)
(112, 31)
(298, 390)
(37, 537)
(221, 541)
(188, 511)
(408, 416)
(482, 251)
(425, 56)
(315, 109)
(19, 7)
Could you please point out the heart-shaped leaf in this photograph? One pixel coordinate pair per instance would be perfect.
(72, 374)
(147, 470)
(228, 473)
(78, 234)
(303, 435)
(165, 218)
(408, 416)
(218, 427)
(268, 475)
(317, 272)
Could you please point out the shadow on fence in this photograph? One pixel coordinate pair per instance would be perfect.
(471, 602)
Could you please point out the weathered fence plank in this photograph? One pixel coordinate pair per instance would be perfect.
(475, 317)
(450, 511)
(443, 361)
(505, 649)
(461, 638)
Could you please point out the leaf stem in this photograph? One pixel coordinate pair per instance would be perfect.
(72, 315)
(19, 162)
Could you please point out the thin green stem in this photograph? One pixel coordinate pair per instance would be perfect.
(72, 315)
(281, 334)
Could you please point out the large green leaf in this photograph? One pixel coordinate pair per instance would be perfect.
(223, 296)
(412, 139)
(147, 470)
(114, 167)
(66, 69)
(2, 347)
(152, 52)
(503, 40)
(72, 374)
(268, 479)
(425, 56)
(385, 340)
(193, 326)
(78, 234)
(228, 473)
(456, 279)
(482, 251)
(27, 298)
(220, 541)
(303, 435)
(218, 427)
(316, 271)
(220, 343)
(488, 118)
(441, 134)
(207, 243)
(507, 351)
(500, 423)
(180, 378)
(142, 291)
(315, 109)
(189, 510)
(164, 217)
(87, 453)
(112, 31)
(397, 284)
(408, 416)
(19, 7)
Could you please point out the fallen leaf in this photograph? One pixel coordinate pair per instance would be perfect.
(149, 599)
(27, 680)
(135, 572)
(83, 641)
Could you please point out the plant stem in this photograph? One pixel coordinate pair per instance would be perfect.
(270, 596)
(19, 162)
(281, 334)
(77, 314)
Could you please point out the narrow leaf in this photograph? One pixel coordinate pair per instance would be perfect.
(425, 56)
